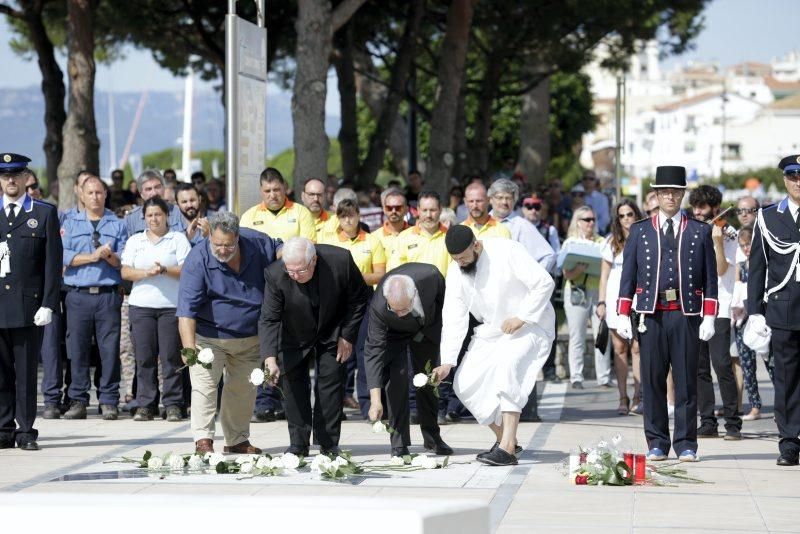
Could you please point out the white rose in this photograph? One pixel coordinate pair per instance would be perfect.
(340, 461)
(418, 461)
(290, 461)
(257, 377)
(430, 463)
(155, 463)
(378, 427)
(246, 458)
(420, 380)
(195, 462)
(277, 465)
(215, 458)
(396, 460)
(320, 463)
(207, 455)
(246, 468)
(263, 462)
(206, 356)
(175, 462)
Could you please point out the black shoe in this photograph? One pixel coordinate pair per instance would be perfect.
(733, 435)
(6, 444)
(143, 414)
(28, 446)
(263, 416)
(174, 414)
(110, 412)
(453, 417)
(532, 417)
(343, 416)
(413, 419)
(498, 457)
(400, 451)
(51, 411)
(708, 430)
(440, 448)
(577, 385)
(297, 450)
(280, 414)
(333, 452)
(77, 410)
(517, 449)
(441, 419)
(785, 460)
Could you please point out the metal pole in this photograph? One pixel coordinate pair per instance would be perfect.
(232, 127)
(618, 128)
(261, 13)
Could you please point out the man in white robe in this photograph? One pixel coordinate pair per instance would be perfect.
(509, 293)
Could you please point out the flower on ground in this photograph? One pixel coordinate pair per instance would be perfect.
(246, 467)
(155, 463)
(175, 462)
(257, 377)
(420, 380)
(246, 458)
(276, 464)
(616, 439)
(195, 462)
(262, 462)
(215, 458)
(397, 460)
(290, 461)
(424, 461)
(339, 461)
(205, 356)
(320, 463)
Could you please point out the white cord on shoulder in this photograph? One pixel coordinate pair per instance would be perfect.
(781, 247)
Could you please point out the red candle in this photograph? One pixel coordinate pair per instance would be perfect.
(628, 457)
(639, 467)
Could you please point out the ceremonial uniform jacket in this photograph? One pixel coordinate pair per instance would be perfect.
(696, 265)
(768, 269)
(35, 261)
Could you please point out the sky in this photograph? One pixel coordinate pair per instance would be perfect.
(735, 31)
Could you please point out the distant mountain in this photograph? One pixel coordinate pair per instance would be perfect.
(22, 122)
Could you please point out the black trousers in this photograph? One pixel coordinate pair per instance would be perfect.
(19, 362)
(325, 420)
(671, 339)
(717, 352)
(396, 379)
(154, 332)
(786, 352)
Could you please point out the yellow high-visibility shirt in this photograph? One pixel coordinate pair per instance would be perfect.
(492, 228)
(388, 237)
(320, 222)
(415, 244)
(293, 220)
(365, 248)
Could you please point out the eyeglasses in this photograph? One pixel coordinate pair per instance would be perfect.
(96, 239)
(32, 187)
(742, 211)
(501, 198)
(588, 219)
(532, 205)
(299, 272)
(314, 195)
(628, 215)
(393, 208)
(673, 194)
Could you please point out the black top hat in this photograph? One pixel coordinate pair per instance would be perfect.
(670, 176)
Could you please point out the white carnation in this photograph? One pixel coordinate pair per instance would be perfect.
(378, 427)
(420, 380)
(246, 458)
(276, 464)
(215, 458)
(320, 463)
(339, 461)
(155, 463)
(418, 460)
(195, 462)
(396, 460)
(205, 356)
(246, 467)
(257, 377)
(175, 462)
(263, 462)
(290, 461)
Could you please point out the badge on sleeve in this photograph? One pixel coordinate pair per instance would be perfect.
(33, 223)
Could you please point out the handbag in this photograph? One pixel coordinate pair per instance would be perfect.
(601, 341)
(577, 294)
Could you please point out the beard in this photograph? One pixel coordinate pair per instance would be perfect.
(224, 259)
(190, 214)
(470, 267)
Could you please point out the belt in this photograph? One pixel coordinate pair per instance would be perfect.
(94, 290)
(670, 295)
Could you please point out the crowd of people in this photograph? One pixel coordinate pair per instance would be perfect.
(302, 285)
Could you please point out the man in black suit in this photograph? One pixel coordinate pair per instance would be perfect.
(314, 300)
(30, 278)
(405, 314)
(773, 303)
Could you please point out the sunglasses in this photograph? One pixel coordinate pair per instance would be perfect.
(628, 215)
(394, 208)
(588, 219)
(33, 187)
(96, 239)
(742, 211)
(532, 205)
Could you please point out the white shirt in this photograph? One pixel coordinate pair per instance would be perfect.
(17, 204)
(140, 253)
(793, 209)
(526, 233)
(726, 282)
(662, 222)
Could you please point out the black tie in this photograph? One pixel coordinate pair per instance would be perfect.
(670, 234)
(11, 214)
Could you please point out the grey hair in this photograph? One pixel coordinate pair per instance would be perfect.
(399, 284)
(148, 175)
(504, 185)
(297, 248)
(226, 221)
(448, 217)
(342, 194)
(392, 192)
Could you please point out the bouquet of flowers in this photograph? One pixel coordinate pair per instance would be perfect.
(251, 465)
(204, 357)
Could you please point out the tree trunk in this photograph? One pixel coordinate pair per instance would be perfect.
(450, 77)
(53, 89)
(373, 94)
(463, 163)
(345, 74)
(81, 145)
(483, 118)
(396, 91)
(534, 133)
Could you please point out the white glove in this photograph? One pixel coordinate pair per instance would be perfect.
(43, 316)
(757, 334)
(707, 328)
(624, 329)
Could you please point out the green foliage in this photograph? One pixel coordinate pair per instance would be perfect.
(767, 175)
(170, 158)
(284, 161)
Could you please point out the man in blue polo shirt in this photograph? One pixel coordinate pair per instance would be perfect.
(151, 184)
(93, 240)
(219, 304)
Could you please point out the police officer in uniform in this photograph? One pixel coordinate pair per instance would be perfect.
(30, 273)
(670, 266)
(773, 301)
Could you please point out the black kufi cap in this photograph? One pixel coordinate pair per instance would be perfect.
(458, 239)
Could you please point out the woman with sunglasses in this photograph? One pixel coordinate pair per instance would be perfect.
(580, 294)
(611, 272)
(535, 211)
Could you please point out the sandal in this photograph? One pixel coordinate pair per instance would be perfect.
(624, 404)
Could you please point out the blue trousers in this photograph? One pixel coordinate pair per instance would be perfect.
(52, 362)
(97, 315)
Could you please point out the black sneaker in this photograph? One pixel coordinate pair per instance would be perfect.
(441, 419)
(174, 414)
(498, 457)
(280, 414)
(77, 410)
(733, 434)
(263, 416)
(708, 430)
(440, 448)
(400, 451)
(51, 411)
(110, 412)
(143, 414)
(517, 449)
(577, 385)
(452, 417)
